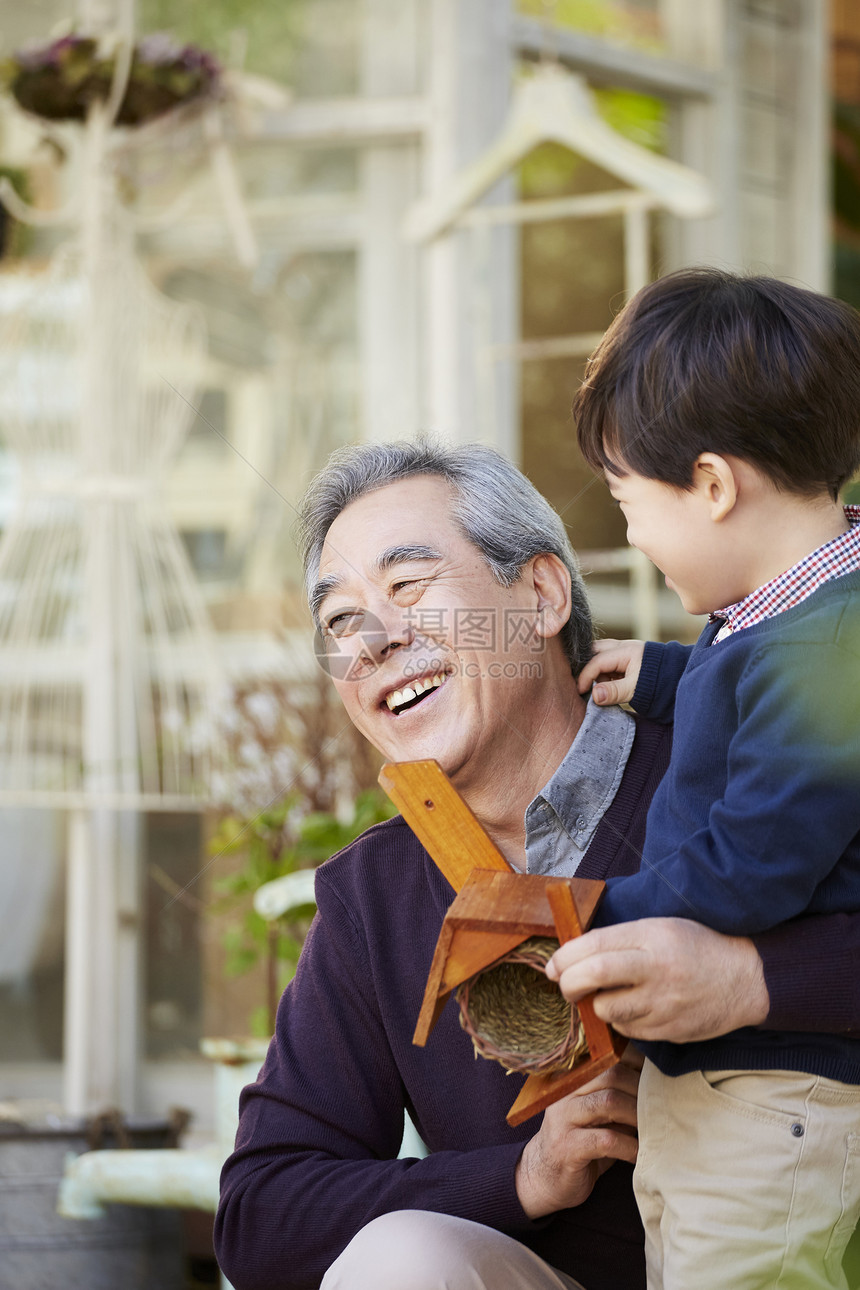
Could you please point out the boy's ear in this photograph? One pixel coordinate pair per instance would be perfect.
(717, 484)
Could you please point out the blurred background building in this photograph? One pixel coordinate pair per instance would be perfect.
(389, 251)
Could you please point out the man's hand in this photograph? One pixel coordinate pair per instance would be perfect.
(579, 1138)
(665, 978)
(612, 670)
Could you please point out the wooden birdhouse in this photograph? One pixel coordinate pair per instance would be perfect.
(500, 927)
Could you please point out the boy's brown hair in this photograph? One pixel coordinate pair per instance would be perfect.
(708, 361)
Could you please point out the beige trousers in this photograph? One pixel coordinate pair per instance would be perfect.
(413, 1249)
(747, 1180)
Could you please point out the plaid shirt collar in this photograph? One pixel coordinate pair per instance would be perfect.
(839, 556)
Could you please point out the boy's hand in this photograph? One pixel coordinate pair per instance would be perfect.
(612, 670)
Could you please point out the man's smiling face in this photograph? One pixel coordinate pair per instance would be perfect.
(418, 631)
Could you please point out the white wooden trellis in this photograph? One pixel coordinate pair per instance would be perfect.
(107, 660)
(109, 671)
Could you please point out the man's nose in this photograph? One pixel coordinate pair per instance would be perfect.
(386, 631)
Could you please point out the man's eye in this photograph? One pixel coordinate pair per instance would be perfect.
(408, 589)
(344, 624)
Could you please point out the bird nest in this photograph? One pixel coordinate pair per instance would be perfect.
(516, 1016)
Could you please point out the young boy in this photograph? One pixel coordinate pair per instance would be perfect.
(725, 414)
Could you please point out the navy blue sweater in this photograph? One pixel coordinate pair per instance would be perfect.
(757, 820)
(319, 1130)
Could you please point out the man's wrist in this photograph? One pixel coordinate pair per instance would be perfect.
(751, 998)
(526, 1181)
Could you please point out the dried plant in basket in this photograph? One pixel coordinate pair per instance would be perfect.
(516, 1016)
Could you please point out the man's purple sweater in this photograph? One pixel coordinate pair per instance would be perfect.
(319, 1130)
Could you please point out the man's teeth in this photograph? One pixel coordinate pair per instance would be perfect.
(408, 693)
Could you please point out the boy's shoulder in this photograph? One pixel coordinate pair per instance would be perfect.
(830, 615)
(808, 655)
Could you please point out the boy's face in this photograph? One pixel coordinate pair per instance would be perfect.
(673, 528)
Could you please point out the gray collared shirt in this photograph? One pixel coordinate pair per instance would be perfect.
(561, 820)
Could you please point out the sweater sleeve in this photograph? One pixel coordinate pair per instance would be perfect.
(790, 812)
(812, 972)
(318, 1131)
(661, 670)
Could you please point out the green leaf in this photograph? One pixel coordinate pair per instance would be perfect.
(259, 1023)
(229, 837)
(289, 947)
(240, 962)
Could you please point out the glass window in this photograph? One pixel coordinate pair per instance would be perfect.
(173, 915)
(32, 919)
(207, 550)
(288, 393)
(572, 283)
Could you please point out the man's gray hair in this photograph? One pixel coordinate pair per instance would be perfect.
(498, 509)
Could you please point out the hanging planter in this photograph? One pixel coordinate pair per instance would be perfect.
(59, 81)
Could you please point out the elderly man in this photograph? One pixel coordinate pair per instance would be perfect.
(455, 623)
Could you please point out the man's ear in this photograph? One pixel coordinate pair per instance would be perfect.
(715, 481)
(551, 582)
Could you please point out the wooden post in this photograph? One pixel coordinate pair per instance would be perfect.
(390, 314)
(470, 68)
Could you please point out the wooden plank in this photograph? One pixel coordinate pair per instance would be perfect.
(519, 902)
(568, 926)
(564, 912)
(336, 122)
(440, 819)
(435, 997)
(537, 210)
(459, 955)
(471, 952)
(606, 63)
(540, 1091)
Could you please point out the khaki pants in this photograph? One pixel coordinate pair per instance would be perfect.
(747, 1180)
(413, 1249)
